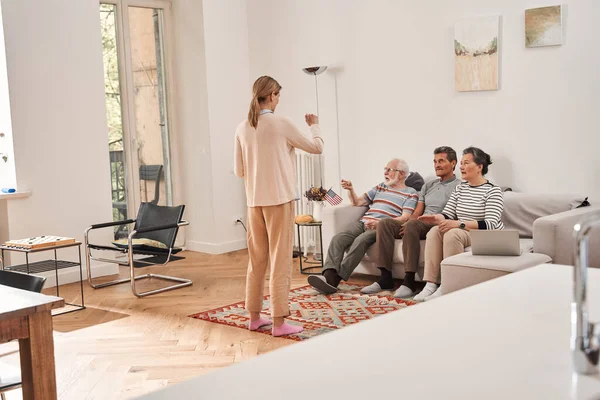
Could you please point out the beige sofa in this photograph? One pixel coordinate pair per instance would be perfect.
(545, 223)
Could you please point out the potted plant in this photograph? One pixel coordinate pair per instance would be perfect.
(317, 196)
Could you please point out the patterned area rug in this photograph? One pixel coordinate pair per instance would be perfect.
(316, 312)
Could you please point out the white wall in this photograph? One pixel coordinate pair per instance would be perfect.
(213, 92)
(229, 94)
(191, 119)
(393, 67)
(390, 82)
(55, 74)
(8, 178)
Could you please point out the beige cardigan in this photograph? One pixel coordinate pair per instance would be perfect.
(265, 158)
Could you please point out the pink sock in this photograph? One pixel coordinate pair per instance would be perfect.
(286, 329)
(254, 325)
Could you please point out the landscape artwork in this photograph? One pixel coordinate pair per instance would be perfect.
(476, 54)
(543, 26)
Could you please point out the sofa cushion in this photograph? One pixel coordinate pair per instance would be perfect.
(526, 245)
(497, 263)
(458, 277)
(522, 209)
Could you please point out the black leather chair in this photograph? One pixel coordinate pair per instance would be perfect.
(154, 222)
(152, 173)
(10, 377)
(148, 173)
(33, 283)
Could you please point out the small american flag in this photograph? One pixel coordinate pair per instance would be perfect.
(333, 198)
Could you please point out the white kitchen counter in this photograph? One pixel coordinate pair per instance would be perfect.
(508, 338)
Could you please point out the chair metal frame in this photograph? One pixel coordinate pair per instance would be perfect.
(181, 282)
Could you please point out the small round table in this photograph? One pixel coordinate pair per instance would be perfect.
(306, 270)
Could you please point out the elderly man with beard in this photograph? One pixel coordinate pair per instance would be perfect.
(389, 199)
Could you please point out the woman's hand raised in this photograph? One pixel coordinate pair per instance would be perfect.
(311, 119)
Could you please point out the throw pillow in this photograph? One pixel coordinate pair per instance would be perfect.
(140, 244)
(584, 203)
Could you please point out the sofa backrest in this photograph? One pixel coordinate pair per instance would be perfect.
(522, 209)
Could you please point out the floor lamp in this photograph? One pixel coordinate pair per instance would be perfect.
(317, 71)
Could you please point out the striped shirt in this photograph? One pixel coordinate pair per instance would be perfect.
(483, 203)
(387, 202)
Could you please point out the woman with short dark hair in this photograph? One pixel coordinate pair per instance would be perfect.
(475, 204)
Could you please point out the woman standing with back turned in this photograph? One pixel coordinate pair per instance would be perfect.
(265, 157)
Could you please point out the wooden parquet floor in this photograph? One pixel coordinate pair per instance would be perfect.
(121, 346)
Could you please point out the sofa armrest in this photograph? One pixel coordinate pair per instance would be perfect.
(553, 236)
(336, 219)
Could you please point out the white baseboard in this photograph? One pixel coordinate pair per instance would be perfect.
(216, 248)
(70, 275)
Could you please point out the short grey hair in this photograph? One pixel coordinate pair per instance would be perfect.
(401, 165)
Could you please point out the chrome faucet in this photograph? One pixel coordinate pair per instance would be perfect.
(585, 335)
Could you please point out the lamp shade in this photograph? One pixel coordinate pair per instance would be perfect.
(314, 70)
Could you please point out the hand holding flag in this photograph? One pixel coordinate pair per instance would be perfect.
(333, 198)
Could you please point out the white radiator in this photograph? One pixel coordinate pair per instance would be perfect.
(306, 176)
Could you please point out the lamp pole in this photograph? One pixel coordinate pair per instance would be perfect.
(317, 70)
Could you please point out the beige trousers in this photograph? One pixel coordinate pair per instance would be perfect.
(439, 246)
(270, 241)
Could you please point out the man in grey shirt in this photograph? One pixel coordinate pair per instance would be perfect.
(432, 198)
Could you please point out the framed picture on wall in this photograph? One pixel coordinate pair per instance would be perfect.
(543, 26)
(476, 54)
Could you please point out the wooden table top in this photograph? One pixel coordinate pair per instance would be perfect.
(18, 303)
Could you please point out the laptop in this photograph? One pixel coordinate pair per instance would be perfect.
(495, 243)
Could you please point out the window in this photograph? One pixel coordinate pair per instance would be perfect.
(136, 89)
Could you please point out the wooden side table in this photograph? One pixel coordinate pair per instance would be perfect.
(47, 265)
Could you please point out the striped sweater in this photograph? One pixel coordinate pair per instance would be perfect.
(387, 202)
(483, 203)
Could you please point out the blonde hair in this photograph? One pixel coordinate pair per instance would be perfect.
(263, 87)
